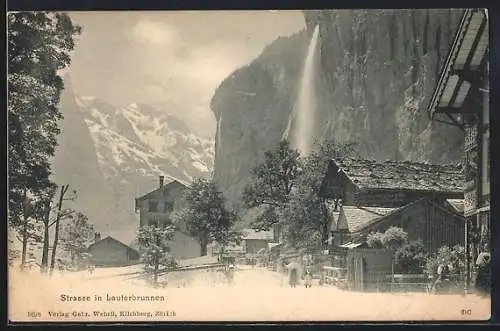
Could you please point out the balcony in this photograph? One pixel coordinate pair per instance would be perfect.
(470, 202)
(470, 137)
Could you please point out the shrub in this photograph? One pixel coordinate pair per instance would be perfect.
(411, 257)
(394, 238)
(374, 240)
(454, 256)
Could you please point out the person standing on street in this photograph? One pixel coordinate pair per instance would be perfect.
(483, 277)
(443, 276)
(293, 278)
(307, 278)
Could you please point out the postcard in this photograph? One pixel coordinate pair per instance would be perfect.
(273, 165)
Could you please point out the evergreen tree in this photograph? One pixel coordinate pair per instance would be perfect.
(154, 247)
(39, 45)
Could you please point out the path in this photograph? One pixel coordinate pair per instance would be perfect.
(257, 294)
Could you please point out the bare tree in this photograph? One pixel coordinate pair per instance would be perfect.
(57, 221)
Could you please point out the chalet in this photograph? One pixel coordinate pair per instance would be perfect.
(423, 219)
(461, 98)
(157, 206)
(254, 240)
(390, 184)
(109, 252)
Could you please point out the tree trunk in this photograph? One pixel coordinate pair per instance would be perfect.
(24, 232)
(156, 270)
(45, 249)
(204, 244)
(25, 244)
(54, 247)
(56, 235)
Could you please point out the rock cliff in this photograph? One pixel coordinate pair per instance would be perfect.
(375, 73)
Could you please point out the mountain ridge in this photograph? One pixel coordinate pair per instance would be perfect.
(112, 155)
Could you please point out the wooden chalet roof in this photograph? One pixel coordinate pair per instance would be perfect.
(403, 175)
(463, 63)
(457, 204)
(110, 239)
(358, 218)
(165, 186)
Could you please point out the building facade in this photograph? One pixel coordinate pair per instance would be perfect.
(461, 98)
(423, 219)
(156, 208)
(183, 246)
(253, 241)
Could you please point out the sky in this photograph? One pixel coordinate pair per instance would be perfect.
(173, 60)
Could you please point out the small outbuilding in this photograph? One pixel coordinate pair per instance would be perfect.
(368, 268)
(110, 252)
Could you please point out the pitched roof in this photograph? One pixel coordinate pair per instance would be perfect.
(257, 235)
(109, 238)
(405, 175)
(147, 195)
(360, 217)
(367, 222)
(457, 204)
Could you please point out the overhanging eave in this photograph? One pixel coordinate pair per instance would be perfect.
(463, 63)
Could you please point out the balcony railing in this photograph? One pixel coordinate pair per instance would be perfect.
(470, 137)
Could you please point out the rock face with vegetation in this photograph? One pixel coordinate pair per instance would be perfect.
(375, 74)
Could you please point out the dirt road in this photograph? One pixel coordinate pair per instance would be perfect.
(256, 295)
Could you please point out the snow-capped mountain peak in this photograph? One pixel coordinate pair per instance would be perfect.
(133, 145)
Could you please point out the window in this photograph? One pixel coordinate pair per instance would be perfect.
(153, 206)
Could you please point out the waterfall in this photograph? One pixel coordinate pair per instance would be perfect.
(218, 141)
(303, 113)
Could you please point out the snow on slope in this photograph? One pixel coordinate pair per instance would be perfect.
(144, 141)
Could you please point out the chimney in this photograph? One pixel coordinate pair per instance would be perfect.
(97, 236)
(161, 181)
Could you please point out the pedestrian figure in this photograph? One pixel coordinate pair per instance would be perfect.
(294, 277)
(483, 276)
(443, 275)
(322, 278)
(91, 268)
(307, 278)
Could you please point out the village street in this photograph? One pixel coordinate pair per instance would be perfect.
(257, 294)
